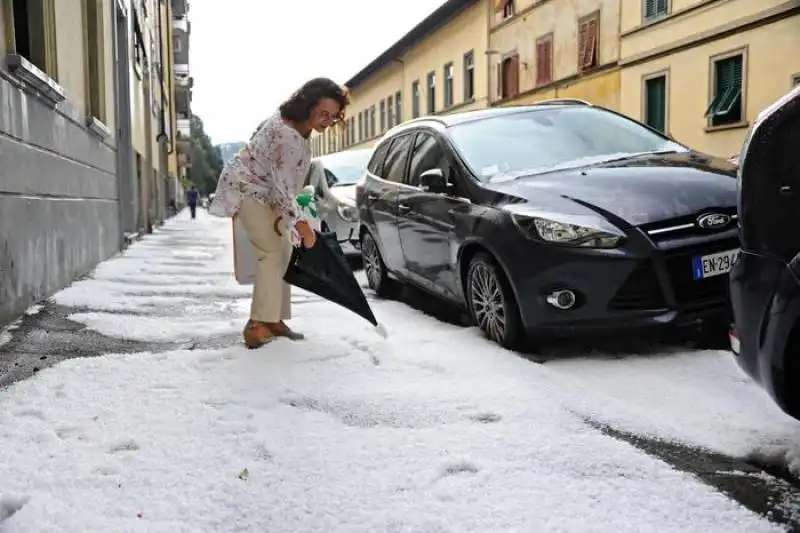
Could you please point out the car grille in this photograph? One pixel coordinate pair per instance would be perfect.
(686, 226)
(642, 290)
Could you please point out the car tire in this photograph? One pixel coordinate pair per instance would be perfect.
(492, 304)
(375, 269)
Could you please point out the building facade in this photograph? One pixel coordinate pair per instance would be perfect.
(702, 70)
(81, 123)
(438, 67)
(699, 70)
(542, 49)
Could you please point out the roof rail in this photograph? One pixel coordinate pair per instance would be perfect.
(552, 101)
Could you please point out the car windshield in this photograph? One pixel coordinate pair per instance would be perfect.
(345, 168)
(546, 139)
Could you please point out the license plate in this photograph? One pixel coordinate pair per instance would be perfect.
(708, 266)
(735, 346)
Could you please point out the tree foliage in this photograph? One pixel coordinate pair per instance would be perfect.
(206, 159)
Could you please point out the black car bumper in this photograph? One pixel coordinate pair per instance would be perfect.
(648, 284)
(766, 306)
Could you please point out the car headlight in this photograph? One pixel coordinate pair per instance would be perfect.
(557, 232)
(348, 213)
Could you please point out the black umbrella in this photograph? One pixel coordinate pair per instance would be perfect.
(323, 270)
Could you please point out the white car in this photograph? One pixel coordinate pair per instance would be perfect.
(334, 177)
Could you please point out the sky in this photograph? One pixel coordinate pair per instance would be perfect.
(250, 55)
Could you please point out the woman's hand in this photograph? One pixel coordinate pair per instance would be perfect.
(308, 235)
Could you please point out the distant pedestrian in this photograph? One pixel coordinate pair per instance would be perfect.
(191, 198)
(260, 185)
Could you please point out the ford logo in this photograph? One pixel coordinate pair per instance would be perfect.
(713, 220)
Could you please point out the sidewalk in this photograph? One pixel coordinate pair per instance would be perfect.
(432, 430)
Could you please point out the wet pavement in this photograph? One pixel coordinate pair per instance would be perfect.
(45, 336)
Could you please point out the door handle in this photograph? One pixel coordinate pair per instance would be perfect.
(786, 190)
(373, 196)
(403, 209)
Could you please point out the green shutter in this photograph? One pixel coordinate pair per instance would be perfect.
(726, 105)
(654, 9)
(656, 103)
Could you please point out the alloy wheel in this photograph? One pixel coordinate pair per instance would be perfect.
(372, 262)
(488, 302)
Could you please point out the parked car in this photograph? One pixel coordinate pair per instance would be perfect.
(551, 219)
(334, 177)
(765, 290)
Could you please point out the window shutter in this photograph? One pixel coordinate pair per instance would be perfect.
(650, 8)
(539, 63)
(582, 41)
(548, 61)
(500, 79)
(513, 90)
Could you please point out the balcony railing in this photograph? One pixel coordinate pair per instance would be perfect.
(184, 126)
(181, 24)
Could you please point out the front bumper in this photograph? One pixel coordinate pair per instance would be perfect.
(647, 284)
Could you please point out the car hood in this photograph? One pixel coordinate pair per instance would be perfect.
(638, 191)
(344, 194)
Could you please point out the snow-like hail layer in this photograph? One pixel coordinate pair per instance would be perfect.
(431, 430)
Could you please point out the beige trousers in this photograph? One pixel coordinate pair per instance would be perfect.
(271, 295)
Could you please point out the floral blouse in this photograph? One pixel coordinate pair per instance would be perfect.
(270, 169)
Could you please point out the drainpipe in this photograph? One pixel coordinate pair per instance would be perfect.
(162, 134)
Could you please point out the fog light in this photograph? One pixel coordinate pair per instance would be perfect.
(562, 299)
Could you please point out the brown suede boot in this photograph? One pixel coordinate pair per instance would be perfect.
(280, 329)
(257, 334)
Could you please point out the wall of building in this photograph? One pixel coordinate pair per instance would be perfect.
(466, 32)
(59, 212)
(559, 19)
(684, 45)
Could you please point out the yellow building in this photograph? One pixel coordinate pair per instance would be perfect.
(541, 49)
(85, 140)
(702, 70)
(438, 67)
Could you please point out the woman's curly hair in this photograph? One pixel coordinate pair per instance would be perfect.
(299, 106)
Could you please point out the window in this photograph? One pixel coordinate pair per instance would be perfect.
(139, 52)
(508, 77)
(469, 76)
(32, 33)
(448, 85)
(428, 154)
(508, 9)
(431, 93)
(655, 9)
(372, 131)
(796, 80)
(552, 137)
(726, 104)
(394, 169)
(383, 116)
(389, 110)
(95, 64)
(398, 107)
(588, 35)
(415, 99)
(361, 126)
(544, 60)
(375, 165)
(655, 102)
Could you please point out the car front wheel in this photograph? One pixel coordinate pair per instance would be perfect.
(491, 303)
(375, 268)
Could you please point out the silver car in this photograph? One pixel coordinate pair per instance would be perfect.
(334, 177)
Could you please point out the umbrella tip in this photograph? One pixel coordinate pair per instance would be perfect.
(381, 331)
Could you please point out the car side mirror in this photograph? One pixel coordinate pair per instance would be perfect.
(433, 180)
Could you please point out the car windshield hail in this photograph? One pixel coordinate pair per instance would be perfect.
(347, 167)
(551, 138)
